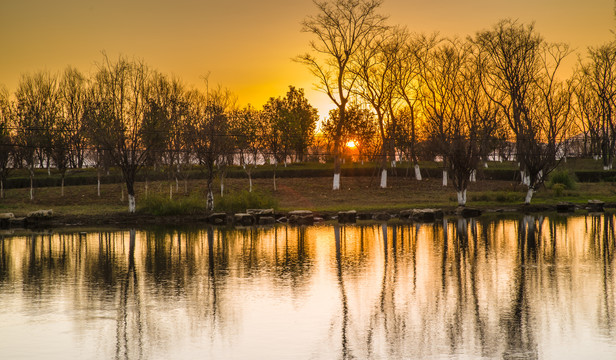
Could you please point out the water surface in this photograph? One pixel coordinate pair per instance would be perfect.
(525, 288)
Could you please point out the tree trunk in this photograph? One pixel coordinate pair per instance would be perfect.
(131, 203)
(462, 197)
(98, 183)
(210, 197)
(171, 191)
(1, 189)
(336, 185)
(31, 184)
(249, 181)
(417, 172)
(130, 190)
(529, 196)
(384, 179)
(444, 177)
(62, 186)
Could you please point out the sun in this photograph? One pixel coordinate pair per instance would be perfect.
(351, 144)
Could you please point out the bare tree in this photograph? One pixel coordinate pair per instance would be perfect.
(247, 130)
(37, 111)
(598, 101)
(211, 141)
(275, 130)
(73, 91)
(341, 27)
(407, 73)
(121, 118)
(7, 147)
(374, 67)
(519, 72)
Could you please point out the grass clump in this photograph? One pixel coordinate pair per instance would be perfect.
(507, 197)
(564, 178)
(558, 189)
(240, 201)
(162, 205)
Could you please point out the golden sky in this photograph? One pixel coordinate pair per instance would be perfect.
(247, 46)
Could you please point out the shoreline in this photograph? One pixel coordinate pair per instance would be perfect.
(141, 220)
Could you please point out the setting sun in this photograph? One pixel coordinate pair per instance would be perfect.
(351, 144)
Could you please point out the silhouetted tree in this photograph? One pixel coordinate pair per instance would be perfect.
(122, 119)
(598, 99)
(38, 108)
(341, 28)
(7, 147)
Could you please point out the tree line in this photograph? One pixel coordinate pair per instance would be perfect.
(130, 116)
(499, 94)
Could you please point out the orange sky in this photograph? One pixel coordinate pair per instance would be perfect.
(246, 45)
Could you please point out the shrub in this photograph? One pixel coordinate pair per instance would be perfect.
(162, 205)
(562, 177)
(240, 201)
(558, 189)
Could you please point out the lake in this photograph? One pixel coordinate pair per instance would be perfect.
(527, 287)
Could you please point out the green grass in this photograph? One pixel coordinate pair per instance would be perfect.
(160, 205)
(240, 201)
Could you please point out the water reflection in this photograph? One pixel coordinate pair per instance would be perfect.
(534, 287)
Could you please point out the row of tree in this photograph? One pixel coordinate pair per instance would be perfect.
(498, 91)
(130, 116)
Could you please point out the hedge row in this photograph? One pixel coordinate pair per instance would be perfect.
(86, 177)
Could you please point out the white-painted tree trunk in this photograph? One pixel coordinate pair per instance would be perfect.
(595, 157)
(336, 182)
(539, 175)
(393, 163)
(131, 203)
(222, 188)
(170, 192)
(210, 200)
(275, 188)
(473, 176)
(383, 179)
(250, 183)
(417, 173)
(462, 198)
(122, 197)
(485, 164)
(98, 186)
(444, 177)
(529, 196)
(177, 184)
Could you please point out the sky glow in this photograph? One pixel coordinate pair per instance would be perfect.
(248, 46)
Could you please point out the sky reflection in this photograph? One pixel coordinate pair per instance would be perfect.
(534, 287)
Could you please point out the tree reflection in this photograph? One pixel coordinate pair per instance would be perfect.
(465, 288)
(345, 351)
(517, 323)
